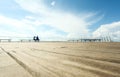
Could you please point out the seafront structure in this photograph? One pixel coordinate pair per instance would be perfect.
(30, 39)
(102, 39)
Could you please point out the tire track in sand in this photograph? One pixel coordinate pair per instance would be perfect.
(34, 74)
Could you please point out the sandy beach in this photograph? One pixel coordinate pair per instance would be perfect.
(59, 59)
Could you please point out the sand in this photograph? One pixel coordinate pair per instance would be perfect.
(59, 59)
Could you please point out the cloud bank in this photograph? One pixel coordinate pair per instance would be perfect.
(112, 30)
(55, 24)
(73, 25)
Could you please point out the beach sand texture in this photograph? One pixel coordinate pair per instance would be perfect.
(59, 59)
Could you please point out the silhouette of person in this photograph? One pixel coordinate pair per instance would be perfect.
(34, 38)
(37, 38)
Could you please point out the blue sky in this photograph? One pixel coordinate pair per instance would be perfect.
(60, 19)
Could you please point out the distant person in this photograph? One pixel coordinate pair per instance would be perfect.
(37, 39)
(34, 38)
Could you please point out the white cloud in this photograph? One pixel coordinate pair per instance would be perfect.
(53, 3)
(112, 30)
(34, 6)
(30, 17)
(74, 25)
(14, 27)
